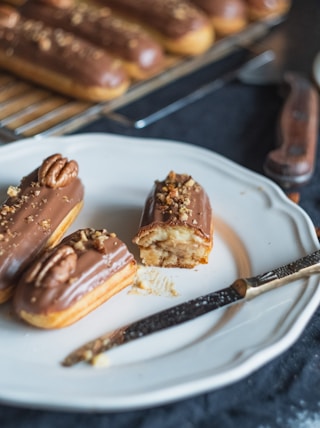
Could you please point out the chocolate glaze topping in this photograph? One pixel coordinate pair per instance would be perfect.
(58, 50)
(173, 18)
(33, 211)
(100, 26)
(63, 275)
(177, 200)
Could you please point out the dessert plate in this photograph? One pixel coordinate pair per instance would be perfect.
(256, 228)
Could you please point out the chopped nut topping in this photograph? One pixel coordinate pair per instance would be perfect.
(7, 209)
(76, 18)
(27, 25)
(94, 239)
(79, 245)
(46, 224)
(44, 44)
(183, 216)
(29, 219)
(175, 195)
(62, 39)
(83, 236)
(13, 191)
(98, 243)
(190, 182)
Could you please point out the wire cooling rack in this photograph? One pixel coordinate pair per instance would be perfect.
(30, 111)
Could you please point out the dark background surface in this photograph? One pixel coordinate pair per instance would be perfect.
(239, 122)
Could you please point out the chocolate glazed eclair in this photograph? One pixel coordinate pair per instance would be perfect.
(57, 59)
(176, 227)
(67, 282)
(141, 55)
(35, 216)
(180, 26)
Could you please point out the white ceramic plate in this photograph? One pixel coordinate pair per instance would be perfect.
(257, 228)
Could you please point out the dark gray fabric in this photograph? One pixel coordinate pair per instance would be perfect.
(238, 122)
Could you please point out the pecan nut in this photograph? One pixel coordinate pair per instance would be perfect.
(54, 268)
(57, 171)
(8, 16)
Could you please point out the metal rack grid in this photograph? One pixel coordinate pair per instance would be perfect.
(30, 111)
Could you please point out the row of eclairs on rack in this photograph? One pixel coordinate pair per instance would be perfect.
(94, 50)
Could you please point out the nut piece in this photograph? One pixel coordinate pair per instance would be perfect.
(44, 44)
(54, 268)
(174, 195)
(98, 243)
(13, 191)
(8, 16)
(57, 171)
(96, 238)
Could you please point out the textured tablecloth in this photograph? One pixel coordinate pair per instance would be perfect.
(238, 122)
